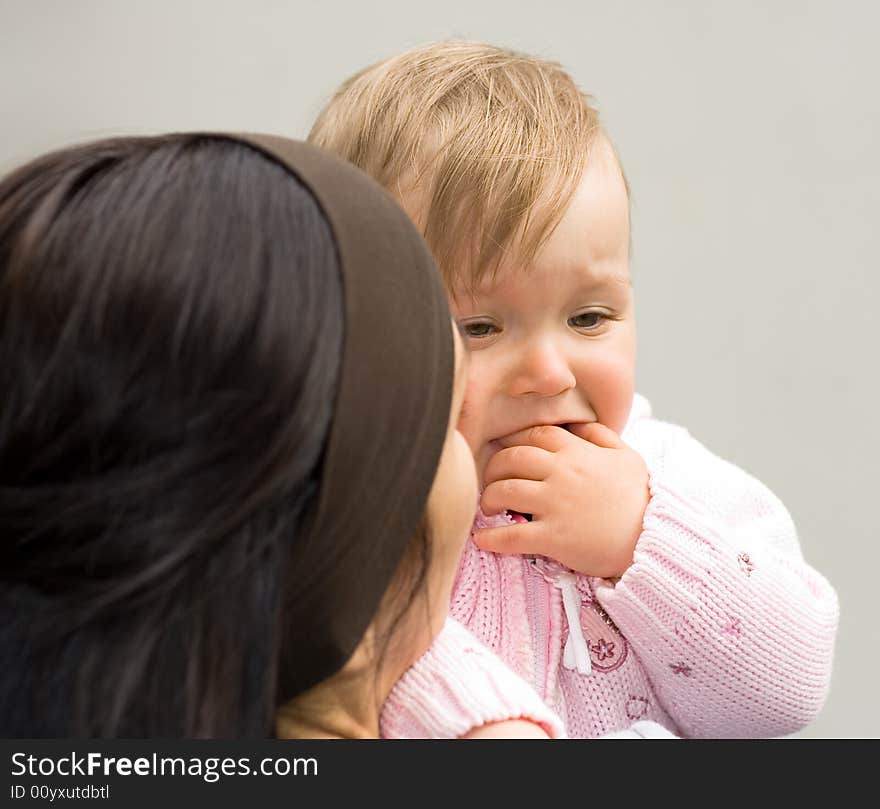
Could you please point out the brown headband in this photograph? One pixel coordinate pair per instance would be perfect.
(389, 422)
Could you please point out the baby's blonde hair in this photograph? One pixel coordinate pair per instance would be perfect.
(482, 133)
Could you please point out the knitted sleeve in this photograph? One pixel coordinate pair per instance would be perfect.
(457, 685)
(735, 630)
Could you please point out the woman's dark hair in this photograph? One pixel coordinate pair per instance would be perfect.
(171, 331)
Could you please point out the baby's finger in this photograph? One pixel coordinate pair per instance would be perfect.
(527, 537)
(546, 436)
(528, 463)
(597, 434)
(512, 494)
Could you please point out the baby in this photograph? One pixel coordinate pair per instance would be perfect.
(616, 564)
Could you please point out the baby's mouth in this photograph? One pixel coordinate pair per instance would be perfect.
(495, 443)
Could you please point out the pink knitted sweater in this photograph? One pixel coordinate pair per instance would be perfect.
(719, 628)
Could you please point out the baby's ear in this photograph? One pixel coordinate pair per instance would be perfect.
(596, 433)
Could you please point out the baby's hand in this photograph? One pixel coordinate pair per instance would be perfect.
(586, 491)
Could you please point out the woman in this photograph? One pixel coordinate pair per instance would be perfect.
(232, 495)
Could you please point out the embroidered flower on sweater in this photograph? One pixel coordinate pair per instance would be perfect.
(681, 668)
(602, 649)
(636, 707)
(745, 563)
(733, 628)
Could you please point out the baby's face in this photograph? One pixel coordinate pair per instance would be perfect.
(555, 342)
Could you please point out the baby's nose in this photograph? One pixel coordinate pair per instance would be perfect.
(543, 370)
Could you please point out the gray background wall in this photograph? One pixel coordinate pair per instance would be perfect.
(748, 131)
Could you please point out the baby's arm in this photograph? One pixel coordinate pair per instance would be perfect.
(735, 630)
(461, 689)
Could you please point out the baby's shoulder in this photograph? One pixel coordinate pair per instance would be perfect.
(649, 435)
(671, 451)
(639, 411)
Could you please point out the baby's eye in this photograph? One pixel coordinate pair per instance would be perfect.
(587, 320)
(477, 329)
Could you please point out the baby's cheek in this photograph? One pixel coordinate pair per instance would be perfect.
(610, 388)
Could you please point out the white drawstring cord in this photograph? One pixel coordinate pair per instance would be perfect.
(575, 654)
